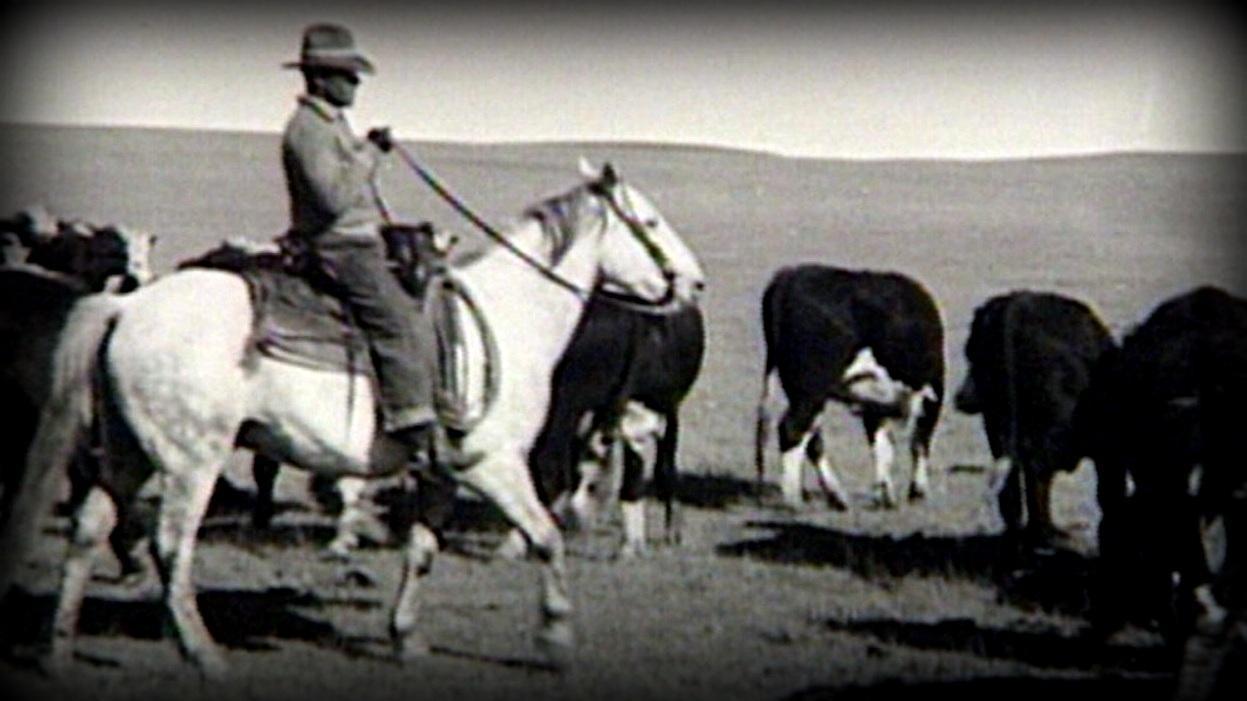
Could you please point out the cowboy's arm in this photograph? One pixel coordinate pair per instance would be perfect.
(338, 174)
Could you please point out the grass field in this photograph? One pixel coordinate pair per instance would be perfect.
(754, 603)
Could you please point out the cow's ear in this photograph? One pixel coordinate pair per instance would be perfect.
(587, 171)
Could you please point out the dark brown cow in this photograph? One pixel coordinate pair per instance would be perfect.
(1162, 420)
(1030, 357)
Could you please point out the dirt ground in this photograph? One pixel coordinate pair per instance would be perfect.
(755, 602)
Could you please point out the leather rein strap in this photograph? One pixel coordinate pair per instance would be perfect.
(662, 306)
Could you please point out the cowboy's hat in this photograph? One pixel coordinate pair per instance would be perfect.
(330, 46)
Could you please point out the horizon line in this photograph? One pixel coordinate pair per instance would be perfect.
(675, 145)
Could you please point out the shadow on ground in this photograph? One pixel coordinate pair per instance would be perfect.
(994, 689)
(237, 618)
(1036, 645)
(1053, 580)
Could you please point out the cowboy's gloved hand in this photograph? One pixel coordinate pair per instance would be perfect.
(381, 138)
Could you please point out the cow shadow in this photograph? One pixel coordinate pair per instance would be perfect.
(996, 688)
(1038, 645)
(1054, 580)
(237, 618)
(711, 491)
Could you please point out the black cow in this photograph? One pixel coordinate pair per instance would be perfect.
(871, 340)
(35, 307)
(622, 377)
(1162, 420)
(1030, 357)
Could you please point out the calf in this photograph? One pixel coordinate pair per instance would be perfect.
(870, 340)
(1030, 357)
(1161, 419)
(623, 376)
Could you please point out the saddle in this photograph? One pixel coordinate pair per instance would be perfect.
(298, 322)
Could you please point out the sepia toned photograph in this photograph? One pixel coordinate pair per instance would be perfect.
(630, 351)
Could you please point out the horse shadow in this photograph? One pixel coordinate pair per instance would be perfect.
(243, 619)
(1054, 580)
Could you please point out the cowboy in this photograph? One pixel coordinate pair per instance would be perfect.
(337, 212)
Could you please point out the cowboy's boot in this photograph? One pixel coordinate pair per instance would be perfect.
(430, 446)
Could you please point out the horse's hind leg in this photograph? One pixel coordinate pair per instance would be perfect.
(93, 523)
(507, 484)
(186, 487)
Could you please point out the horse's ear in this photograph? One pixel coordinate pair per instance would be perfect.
(609, 178)
(587, 170)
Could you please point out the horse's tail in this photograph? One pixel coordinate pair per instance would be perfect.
(64, 426)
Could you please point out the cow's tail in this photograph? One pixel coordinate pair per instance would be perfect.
(762, 431)
(1009, 360)
(770, 299)
(64, 427)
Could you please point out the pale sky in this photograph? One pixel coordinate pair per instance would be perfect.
(960, 82)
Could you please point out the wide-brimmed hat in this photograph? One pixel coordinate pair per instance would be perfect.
(330, 46)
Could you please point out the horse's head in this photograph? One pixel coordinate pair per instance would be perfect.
(118, 258)
(642, 257)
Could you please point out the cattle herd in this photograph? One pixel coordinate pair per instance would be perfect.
(1156, 411)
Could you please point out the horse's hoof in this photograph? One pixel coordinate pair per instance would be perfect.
(339, 550)
(632, 551)
(557, 645)
(512, 549)
(883, 496)
(412, 646)
(213, 667)
(56, 662)
(917, 493)
(837, 501)
(792, 506)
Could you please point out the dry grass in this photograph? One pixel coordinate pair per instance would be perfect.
(755, 603)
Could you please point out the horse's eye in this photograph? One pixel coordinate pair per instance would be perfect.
(650, 223)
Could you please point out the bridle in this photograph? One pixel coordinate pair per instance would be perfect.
(664, 305)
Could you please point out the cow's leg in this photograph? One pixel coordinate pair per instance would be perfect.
(816, 451)
(1043, 531)
(666, 476)
(796, 429)
(1009, 494)
(93, 523)
(264, 470)
(434, 505)
(505, 482)
(923, 415)
(632, 499)
(880, 431)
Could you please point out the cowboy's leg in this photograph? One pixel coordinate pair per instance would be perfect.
(400, 337)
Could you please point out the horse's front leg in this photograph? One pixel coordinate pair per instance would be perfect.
(507, 484)
(434, 505)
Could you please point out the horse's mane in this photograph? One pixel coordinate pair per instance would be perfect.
(559, 216)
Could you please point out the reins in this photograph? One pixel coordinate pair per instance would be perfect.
(619, 299)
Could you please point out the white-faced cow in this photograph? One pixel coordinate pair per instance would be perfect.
(871, 340)
(1162, 420)
(1030, 356)
(623, 377)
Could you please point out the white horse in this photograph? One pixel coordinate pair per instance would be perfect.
(168, 371)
